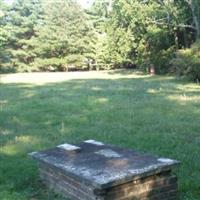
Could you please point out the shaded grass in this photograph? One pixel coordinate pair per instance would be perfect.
(151, 114)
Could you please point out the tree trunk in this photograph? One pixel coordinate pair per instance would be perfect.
(193, 4)
(176, 40)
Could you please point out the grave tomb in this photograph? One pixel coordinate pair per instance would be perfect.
(92, 170)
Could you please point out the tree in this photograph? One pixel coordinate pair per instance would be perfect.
(5, 36)
(63, 36)
(19, 21)
(194, 6)
(99, 15)
(149, 32)
(40, 35)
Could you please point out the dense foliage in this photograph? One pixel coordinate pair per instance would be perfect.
(149, 32)
(39, 35)
(187, 62)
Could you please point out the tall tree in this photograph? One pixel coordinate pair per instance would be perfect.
(5, 36)
(148, 32)
(63, 36)
(194, 6)
(20, 20)
(53, 35)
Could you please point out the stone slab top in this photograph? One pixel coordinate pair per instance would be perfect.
(102, 165)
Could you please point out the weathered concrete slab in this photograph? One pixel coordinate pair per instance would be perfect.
(69, 147)
(102, 165)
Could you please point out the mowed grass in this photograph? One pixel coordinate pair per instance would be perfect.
(155, 114)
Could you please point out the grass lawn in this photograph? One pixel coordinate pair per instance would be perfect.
(151, 114)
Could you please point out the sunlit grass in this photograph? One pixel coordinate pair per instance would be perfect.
(152, 114)
(43, 78)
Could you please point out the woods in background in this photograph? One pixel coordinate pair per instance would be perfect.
(39, 35)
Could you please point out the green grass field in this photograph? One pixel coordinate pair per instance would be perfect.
(155, 114)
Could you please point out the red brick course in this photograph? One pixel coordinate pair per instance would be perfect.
(161, 186)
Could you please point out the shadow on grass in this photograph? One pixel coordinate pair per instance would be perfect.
(136, 113)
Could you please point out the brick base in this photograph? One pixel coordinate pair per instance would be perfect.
(161, 186)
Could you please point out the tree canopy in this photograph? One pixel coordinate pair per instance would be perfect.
(39, 35)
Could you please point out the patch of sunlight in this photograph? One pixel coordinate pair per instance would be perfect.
(64, 129)
(41, 78)
(152, 91)
(184, 97)
(102, 100)
(96, 88)
(48, 122)
(18, 145)
(189, 87)
(5, 132)
(23, 139)
(29, 94)
(3, 101)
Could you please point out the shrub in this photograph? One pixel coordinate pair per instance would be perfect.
(160, 59)
(187, 62)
